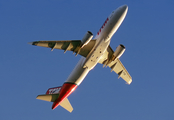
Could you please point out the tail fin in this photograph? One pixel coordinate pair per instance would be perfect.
(52, 95)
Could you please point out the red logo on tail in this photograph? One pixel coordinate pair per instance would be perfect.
(54, 90)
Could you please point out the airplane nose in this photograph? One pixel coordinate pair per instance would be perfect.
(122, 11)
(124, 8)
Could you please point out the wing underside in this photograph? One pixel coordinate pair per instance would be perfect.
(69, 45)
(115, 65)
(75, 47)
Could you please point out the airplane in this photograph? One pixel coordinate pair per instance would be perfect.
(93, 51)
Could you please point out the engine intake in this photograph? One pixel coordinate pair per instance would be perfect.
(86, 39)
(118, 52)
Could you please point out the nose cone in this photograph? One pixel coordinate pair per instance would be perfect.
(123, 9)
(121, 12)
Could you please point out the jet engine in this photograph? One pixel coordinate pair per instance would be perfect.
(86, 39)
(118, 52)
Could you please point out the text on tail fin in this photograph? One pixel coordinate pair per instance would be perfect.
(54, 90)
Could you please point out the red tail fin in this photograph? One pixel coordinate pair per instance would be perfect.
(54, 90)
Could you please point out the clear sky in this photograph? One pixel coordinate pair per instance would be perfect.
(26, 71)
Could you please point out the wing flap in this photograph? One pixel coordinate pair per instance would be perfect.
(118, 68)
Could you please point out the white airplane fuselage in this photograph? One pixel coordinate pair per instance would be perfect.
(84, 65)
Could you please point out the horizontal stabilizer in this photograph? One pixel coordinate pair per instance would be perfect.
(66, 104)
(48, 97)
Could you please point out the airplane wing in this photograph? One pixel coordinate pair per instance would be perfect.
(70, 45)
(115, 65)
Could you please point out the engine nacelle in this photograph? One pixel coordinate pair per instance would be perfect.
(86, 39)
(118, 52)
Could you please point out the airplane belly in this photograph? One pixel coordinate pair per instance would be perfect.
(78, 74)
(93, 58)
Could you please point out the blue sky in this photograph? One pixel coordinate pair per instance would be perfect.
(26, 71)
